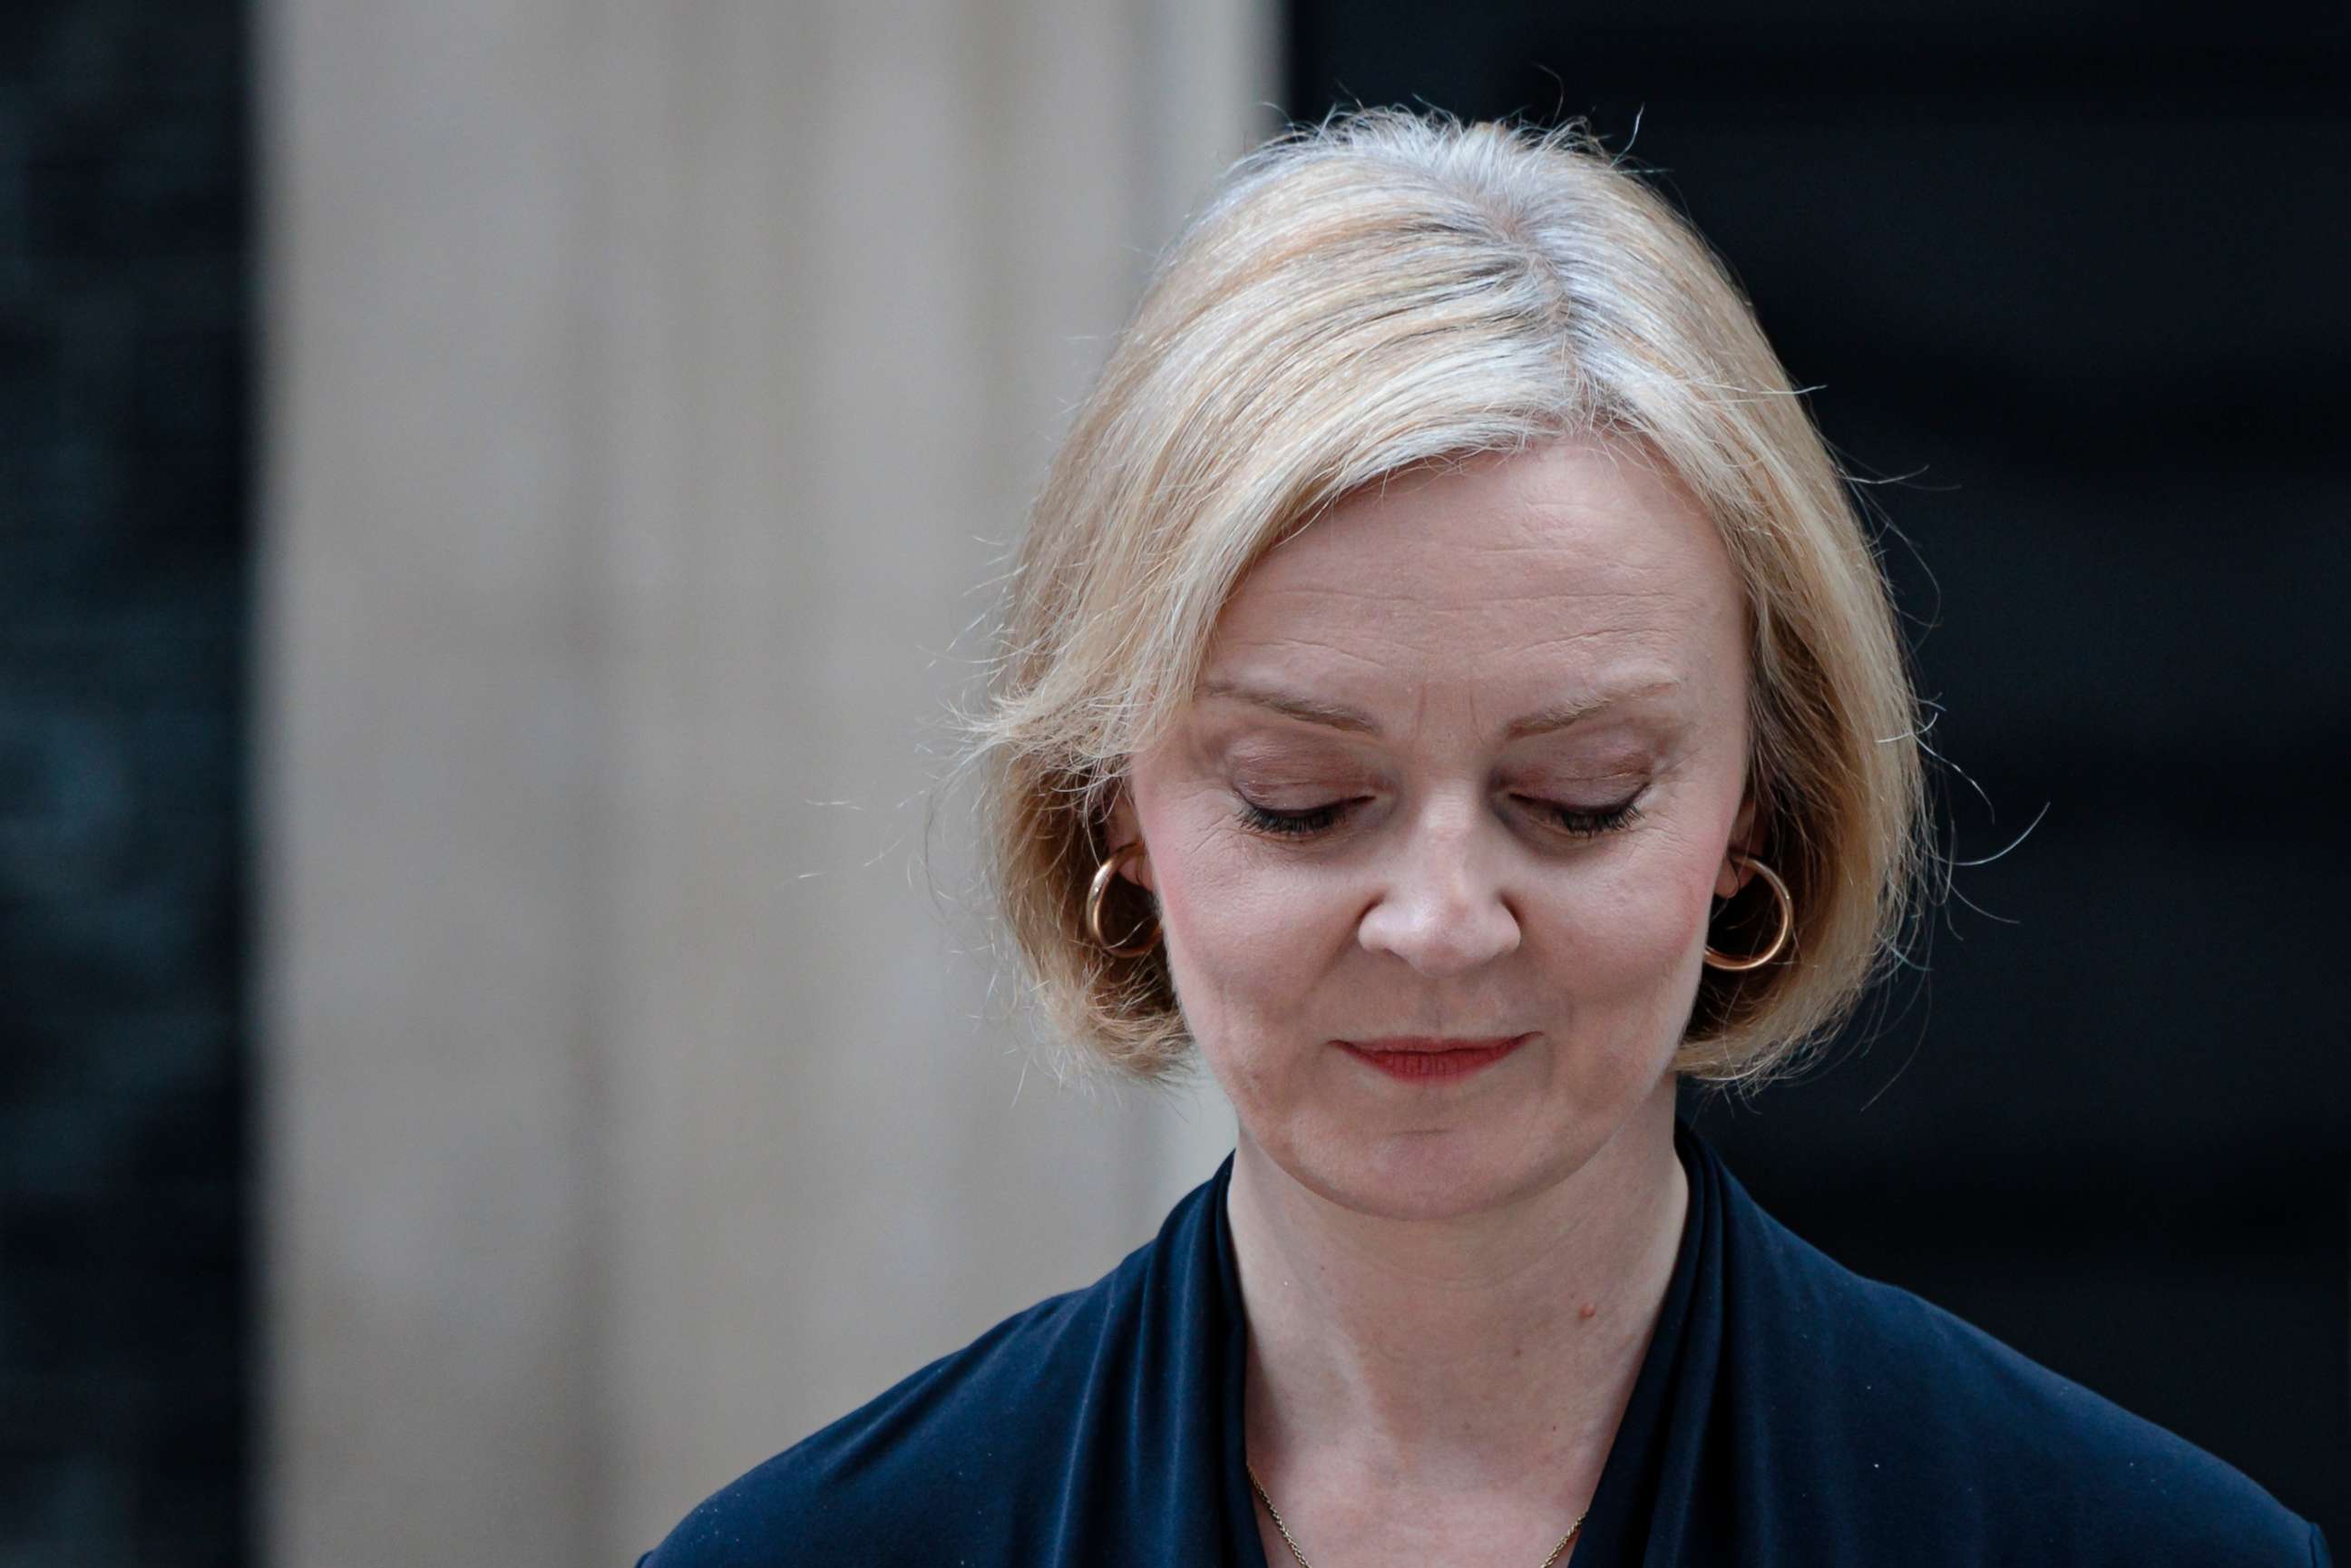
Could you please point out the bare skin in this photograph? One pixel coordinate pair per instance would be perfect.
(1450, 1281)
(1450, 1397)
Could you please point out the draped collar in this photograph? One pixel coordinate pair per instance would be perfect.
(1787, 1414)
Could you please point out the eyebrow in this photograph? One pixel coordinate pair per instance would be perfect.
(1355, 721)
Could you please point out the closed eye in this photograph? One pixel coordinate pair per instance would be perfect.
(1313, 820)
(1304, 824)
(1585, 823)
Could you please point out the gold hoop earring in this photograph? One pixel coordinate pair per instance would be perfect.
(1715, 960)
(1103, 874)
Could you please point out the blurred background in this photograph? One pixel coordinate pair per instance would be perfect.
(494, 499)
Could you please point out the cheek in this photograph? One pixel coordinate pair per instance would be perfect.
(1245, 939)
(1242, 935)
(1641, 926)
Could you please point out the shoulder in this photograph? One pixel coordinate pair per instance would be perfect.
(1938, 1426)
(973, 1449)
(957, 1440)
(968, 1438)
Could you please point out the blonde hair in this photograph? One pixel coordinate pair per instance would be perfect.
(1388, 289)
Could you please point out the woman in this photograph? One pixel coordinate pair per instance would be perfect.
(1447, 683)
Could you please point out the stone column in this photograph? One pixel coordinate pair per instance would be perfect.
(649, 391)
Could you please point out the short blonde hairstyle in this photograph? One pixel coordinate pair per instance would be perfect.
(1387, 289)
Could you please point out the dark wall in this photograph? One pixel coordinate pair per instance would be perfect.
(123, 269)
(2078, 284)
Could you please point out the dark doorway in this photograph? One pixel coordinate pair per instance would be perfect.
(124, 277)
(2071, 286)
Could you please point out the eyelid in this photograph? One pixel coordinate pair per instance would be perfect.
(1293, 822)
(1314, 822)
(1595, 821)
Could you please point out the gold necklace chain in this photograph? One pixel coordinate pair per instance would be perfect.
(1292, 1542)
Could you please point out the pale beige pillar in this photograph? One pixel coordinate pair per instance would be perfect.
(647, 388)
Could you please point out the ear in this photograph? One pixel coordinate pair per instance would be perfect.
(1126, 828)
(1731, 876)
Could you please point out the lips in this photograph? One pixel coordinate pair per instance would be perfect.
(1427, 1044)
(1425, 1057)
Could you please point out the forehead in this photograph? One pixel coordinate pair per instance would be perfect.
(1565, 566)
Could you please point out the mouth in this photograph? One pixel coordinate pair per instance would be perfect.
(1424, 1058)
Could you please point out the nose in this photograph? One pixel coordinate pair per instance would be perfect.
(1440, 907)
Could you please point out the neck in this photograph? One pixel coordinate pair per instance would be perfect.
(1492, 1351)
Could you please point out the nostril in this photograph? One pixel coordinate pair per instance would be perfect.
(1439, 941)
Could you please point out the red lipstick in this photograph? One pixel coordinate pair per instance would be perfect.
(1422, 1057)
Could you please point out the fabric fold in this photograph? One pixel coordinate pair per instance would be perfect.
(1787, 1414)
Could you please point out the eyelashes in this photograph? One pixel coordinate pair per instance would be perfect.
(1316, 820)
(1289, 824)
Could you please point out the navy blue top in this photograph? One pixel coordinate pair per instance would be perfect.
(1788, 1413)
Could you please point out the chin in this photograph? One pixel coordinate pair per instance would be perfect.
(1433, 1174)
